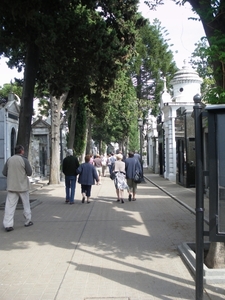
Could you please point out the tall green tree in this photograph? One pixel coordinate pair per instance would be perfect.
(201, 62)
(11, 88)
(92, 59)
(153, 62)
(22, 25)
(138, 88)
(113, 41)
(212, 15)
(119, 113)
(56, 39)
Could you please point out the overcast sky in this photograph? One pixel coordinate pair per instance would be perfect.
(183, 33)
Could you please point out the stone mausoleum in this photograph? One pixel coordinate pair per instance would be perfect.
(9, 122)
(173, 143)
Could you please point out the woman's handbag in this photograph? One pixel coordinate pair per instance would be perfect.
(113, 175)
(137, 177)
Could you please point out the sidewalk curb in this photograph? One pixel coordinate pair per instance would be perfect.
(210, 276)
(176, 199)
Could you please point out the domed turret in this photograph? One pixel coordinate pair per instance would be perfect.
(186, 83)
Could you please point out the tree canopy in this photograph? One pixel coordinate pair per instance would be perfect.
(212, 16)
(93, 50)
(200, 60)
(137, 89)
(153, 62)
(65, 43)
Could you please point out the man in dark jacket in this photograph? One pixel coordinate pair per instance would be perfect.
(69, 168)
(132, 165)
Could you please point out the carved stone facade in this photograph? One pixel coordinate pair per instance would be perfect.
(39, 156)
(40, 142)
(9, 120)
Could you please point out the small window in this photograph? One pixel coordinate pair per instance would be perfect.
(181, 90)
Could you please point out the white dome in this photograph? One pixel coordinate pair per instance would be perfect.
(187, 73)
(186, 83)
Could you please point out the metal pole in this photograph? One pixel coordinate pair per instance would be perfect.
(199, 198)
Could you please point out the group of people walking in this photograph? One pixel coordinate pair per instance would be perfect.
(90, 173)
(125, 170)
(17, 169)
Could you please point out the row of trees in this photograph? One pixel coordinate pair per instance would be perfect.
(64, 45)
(100, 61)
(73, 49)
(96, 60)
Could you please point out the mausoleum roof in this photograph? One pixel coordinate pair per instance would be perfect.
(185, 74)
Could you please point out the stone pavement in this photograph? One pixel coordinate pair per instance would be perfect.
(104, 250)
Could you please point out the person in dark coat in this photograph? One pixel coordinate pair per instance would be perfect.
(69, 167)
(87, 176)
(131, 166)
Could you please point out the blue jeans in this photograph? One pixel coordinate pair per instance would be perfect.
(70, 182)
(110, 169)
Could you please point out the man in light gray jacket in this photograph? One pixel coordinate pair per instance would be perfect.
(16, 169)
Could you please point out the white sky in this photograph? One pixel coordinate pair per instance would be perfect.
(183, 34)
(6, 74)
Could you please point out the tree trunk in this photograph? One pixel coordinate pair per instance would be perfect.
(89, 137)
(86, 141)
(213, 25)
(215, 258)
(100, 147)
(72, 129)
(26, 108)
(56, 107)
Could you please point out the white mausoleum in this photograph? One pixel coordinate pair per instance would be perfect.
(186, 84)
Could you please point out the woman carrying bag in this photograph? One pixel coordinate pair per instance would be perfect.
(120, 178)
(133, 168)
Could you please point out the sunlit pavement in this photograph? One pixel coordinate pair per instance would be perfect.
(104, 250)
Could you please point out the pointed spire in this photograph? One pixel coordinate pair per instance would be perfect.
(164, 84)
(165, 97)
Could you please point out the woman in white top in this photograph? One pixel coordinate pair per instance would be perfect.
(120, 180)
(104, 165)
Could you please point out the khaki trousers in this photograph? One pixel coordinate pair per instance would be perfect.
(10, 207)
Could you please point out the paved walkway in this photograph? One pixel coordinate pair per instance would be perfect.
(104, 250)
